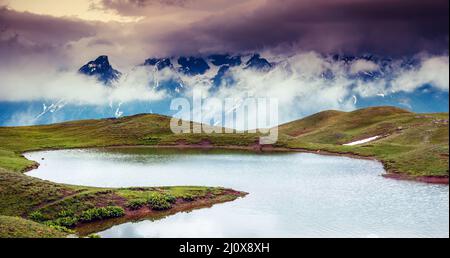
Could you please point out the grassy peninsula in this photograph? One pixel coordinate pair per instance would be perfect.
(411, 146)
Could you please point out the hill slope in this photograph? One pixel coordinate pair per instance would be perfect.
(59, 206)
(405, 137)
(408, 143)
(411, 146)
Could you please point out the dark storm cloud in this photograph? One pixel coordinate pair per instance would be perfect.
(97, 42)
(171, 27)
(140, 3)
(42, 27)
(137, 7)
(384, 26)
(23, 33)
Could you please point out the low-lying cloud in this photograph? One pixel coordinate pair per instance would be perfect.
(433, 71)
(298, 82)
(291, 78)
(74, 88)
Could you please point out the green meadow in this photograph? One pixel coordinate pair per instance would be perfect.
(411, 146)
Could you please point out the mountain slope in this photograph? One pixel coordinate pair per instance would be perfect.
(408, 143)
(43, 201)
(343, 126)
(420, 140)
(102, 69)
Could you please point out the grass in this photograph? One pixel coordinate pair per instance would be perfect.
(61, 207)
(16, 227)
(21, 195)
(98, 204)
(412, 144)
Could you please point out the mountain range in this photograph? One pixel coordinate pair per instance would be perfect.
(216, 71)
(220, 64)
(190, 66)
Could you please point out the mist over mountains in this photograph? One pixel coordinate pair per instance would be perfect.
(304, 83)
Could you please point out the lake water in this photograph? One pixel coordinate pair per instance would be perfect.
(290, 194)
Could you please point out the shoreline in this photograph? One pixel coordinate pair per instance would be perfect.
(84, 229)
(257, 148)
(437, 180)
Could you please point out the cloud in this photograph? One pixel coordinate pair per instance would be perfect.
(298, 83)
(196, 26)
(27, 36)
(67, 43)
(45, 29)
(362, 65)
(386, 27)
(80, 9)
(166, 28)
(48, 84)
(149, 8)
(433, 70)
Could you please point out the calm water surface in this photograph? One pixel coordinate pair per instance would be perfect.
(291, 194)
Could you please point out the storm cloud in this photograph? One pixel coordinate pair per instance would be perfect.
(386, 27)
(27, 37)
(393, 27)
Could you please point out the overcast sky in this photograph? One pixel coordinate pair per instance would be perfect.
(72, 32)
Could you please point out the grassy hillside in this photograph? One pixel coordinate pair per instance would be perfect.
(412, 145)
(16, 227)
(134, 130)
(62, 207)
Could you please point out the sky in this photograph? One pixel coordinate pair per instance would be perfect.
(130, 30)
(43, 43)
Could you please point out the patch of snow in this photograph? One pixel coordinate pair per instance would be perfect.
(362, 141)
(52, 108)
